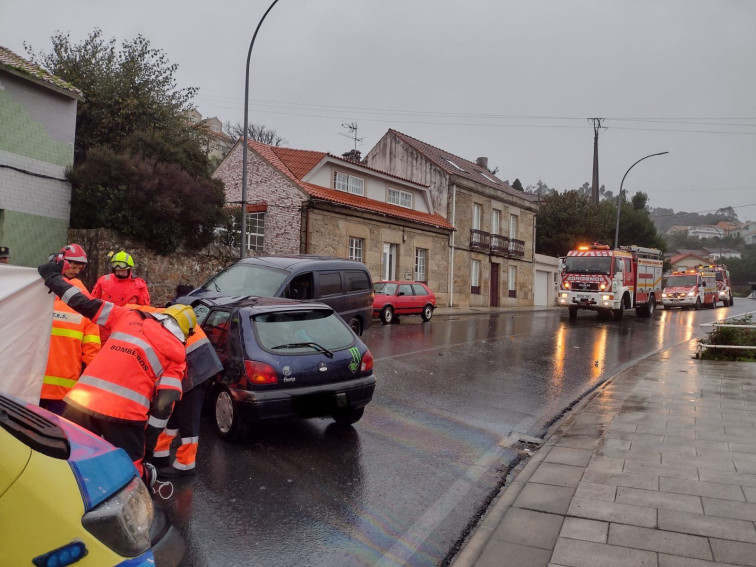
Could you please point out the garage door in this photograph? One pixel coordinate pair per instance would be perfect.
(541, 288)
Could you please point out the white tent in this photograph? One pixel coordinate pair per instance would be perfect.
(25, 323)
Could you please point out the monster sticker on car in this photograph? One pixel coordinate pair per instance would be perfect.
(354, 366)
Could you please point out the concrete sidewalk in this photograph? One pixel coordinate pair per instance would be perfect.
(656, 467)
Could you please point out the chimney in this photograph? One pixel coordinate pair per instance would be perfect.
(482, 162)
(353, 155)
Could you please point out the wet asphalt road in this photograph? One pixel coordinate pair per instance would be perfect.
(406, 483)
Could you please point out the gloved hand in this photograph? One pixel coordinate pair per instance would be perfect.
(52, 269)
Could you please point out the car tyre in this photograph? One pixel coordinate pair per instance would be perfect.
(427, 313)
(228, 420)
(348, 416)
(387, 315)
(697, 306)
(354, 324)
(618, 313)
(573, 312)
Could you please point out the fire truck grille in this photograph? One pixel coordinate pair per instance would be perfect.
(585, 286)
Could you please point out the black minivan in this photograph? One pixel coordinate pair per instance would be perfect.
(344, 285)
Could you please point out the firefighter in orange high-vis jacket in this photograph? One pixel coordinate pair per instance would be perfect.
(202, 363)
(137, 375)
(122, 286)
(74, 340)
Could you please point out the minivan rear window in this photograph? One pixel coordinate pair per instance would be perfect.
(245, 279)
(356, 280)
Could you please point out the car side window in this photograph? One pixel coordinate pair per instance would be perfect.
(216, 328)
(356, 281)
(329, 283)
(406, 289)
(301, 287)
(419, 290)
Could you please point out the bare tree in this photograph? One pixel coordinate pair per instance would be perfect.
(258, 132)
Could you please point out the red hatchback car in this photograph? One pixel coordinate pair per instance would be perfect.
(395, 298)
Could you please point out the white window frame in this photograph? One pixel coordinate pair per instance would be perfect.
(495, 221)
(356, 248)
(348, 183)
(421, 261)
(390, 252)
(399, 198)
(513, 226)
(512, 279)
(477, 214)
(256, 231)
(475, 273)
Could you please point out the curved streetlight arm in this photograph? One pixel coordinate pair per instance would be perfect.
(619, 197)
(244, 147)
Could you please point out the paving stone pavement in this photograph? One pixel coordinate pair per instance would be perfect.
(656, 467)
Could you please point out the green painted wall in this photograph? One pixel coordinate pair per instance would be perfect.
(31, 238)
(21, 135)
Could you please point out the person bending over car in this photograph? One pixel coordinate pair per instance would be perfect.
(136, 377)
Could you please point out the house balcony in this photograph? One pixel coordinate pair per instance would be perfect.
(516, 248)
(499, 244)
(480, 240)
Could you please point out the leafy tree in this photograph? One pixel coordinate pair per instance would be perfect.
(138, 167)
(155, 201)
(743, 269)
(517, 185)
(540, 189)
(127, 90)
(258, 132)
(568, 219)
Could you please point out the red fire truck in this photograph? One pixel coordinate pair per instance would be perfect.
(606, 280)
(724, 286)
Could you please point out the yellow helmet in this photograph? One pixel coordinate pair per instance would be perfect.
(121, 261)
(184, 316)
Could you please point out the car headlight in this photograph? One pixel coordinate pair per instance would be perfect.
(691, 293)
(122, 522)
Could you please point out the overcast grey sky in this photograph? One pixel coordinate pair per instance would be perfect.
(512, 81)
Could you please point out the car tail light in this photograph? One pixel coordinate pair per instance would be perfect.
(260, 373)
(367, 361)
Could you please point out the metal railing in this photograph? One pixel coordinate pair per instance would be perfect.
(724, 324)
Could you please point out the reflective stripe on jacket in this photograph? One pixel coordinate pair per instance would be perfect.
(202, 362)
(74, 342)
(139, 358)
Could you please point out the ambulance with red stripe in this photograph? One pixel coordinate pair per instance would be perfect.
(724, 286)
(606, 280)
(693, 288)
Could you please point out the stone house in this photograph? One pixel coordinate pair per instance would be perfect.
(492, 253)
(213, 139)
(310, 202)
(38, 118)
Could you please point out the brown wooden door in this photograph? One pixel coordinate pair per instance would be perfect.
(494, 284)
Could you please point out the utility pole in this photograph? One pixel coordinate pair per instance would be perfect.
(595, 183)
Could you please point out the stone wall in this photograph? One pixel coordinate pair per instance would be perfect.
(162, 273)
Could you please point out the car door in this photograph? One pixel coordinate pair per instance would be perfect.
(405, 300)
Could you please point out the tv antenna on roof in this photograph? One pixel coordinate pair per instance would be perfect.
(352, 126)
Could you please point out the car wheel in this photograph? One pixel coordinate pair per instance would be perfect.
(651, 307)
(354, 323)
(228, 421)
(387, 315)
(618, 313)
(697, 307)
(573, 312)
(427, 313)
(348, 416)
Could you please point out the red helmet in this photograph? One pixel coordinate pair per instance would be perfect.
(73, 253)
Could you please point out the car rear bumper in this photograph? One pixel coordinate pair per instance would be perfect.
(308, 401)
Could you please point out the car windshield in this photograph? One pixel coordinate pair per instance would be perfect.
(588, 264)
(302, 331)
(682, 281)
(384, 288)
(244, 279)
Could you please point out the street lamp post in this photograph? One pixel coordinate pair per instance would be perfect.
(243, 247)
(619, 197)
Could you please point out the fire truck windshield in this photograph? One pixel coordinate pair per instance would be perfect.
(588, 265)
(682, 280)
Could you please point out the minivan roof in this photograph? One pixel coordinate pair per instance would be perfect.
(287, 262)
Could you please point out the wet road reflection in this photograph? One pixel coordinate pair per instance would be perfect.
(403, 484)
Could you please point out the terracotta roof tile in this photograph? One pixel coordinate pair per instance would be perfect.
(295, 164)
(21, 67)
